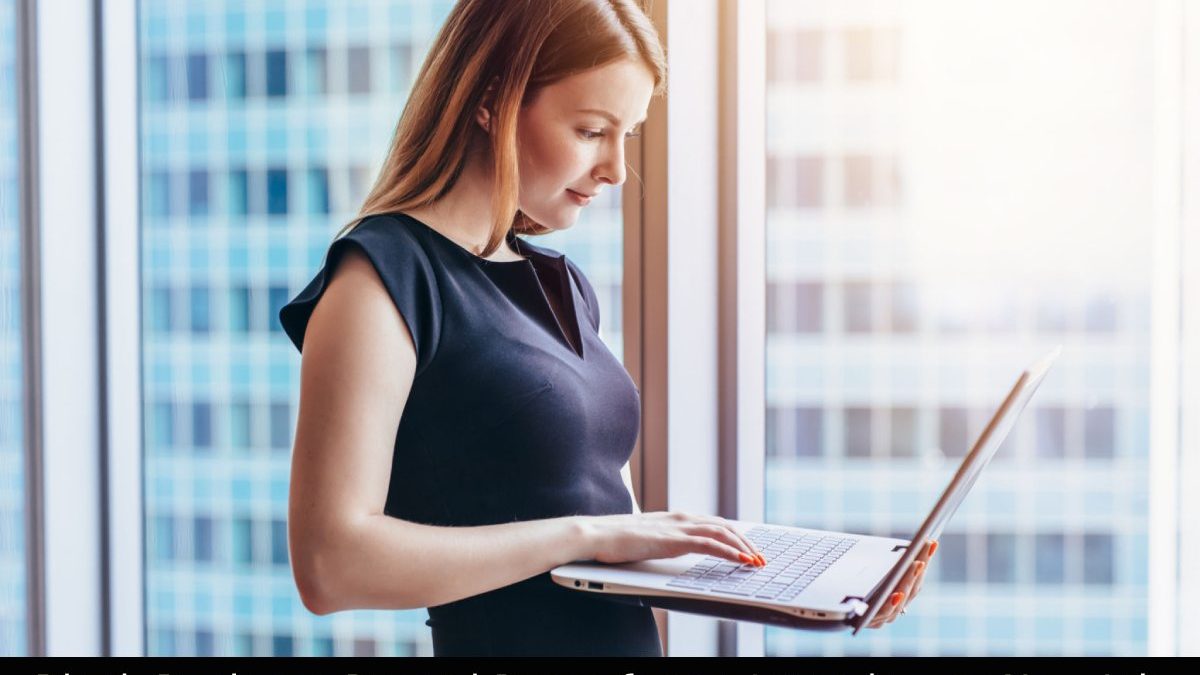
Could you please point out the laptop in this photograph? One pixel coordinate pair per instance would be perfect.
(814, 579)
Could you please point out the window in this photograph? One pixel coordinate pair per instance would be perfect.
(1001, 558)
(857, 307)
(1098, 433)
(318, 191)
(1049, 557)
(277, 191)
(952, 435)
(952, 548)
(1051, 432)
(204, 642)
(904, 432)
(234, 76)
(858, 432)
(809, 436)
(795, 56)
(889, 181)
(203, 544)
(358, 61)
(904, 311)
(799, 305)
(316, 73)
(197, 77)
(277, 74)
(200, 314)
(198, 192)
(1098, 558)
(202, 435)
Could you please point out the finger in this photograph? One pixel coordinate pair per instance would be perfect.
(904, 586)
(710, 546)
(915, 572)
(920, 583)
(750, 547)
(888, 612)
(723, 534)
(915, 586)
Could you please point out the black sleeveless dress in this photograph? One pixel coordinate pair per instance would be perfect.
(506, 421)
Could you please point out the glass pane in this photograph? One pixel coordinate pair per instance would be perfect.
(941, 209)
(12, 438)
(251, 163)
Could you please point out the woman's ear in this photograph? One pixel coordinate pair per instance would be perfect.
(483, 116)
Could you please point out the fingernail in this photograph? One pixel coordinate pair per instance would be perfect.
(897, 598)
(932, 547)
(920, 565)
(746, 557)
(761, 559)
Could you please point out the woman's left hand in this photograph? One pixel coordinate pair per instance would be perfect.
(908, 588)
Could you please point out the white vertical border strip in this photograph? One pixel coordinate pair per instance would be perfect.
(679, 282)
(125, 613)
(1164, 614)
(692, 448)
(742, 327)
(31, 343)
(1189, 460)
(70, 395)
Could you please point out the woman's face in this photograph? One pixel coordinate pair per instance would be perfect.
(567, 146)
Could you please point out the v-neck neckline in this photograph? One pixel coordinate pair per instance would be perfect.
(567, 300)
(527, 267)
(566, 294)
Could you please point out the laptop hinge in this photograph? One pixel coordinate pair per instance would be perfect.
(857, 604)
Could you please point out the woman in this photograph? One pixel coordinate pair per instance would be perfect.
(462, 429)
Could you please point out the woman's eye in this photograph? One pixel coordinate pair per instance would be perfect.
(589, 135)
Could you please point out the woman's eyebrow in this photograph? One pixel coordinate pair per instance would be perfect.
(606, 115)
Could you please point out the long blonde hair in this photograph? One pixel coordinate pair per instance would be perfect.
(504, 51)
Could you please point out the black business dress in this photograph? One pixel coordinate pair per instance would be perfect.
(512, 416)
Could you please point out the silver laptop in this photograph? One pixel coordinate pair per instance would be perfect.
(814, 579)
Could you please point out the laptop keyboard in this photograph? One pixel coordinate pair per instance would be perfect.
(794, 560)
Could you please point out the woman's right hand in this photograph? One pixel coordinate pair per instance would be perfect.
(665, 534)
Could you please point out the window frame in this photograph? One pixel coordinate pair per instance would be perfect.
(122, 328)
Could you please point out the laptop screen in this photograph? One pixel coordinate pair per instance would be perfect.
(968, 472)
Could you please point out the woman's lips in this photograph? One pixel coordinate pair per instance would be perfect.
(578, 198)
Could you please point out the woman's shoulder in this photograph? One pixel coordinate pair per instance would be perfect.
(391, 230)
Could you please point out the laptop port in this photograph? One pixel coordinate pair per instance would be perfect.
(596, 586)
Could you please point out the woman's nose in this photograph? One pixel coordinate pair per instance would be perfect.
(612, 171)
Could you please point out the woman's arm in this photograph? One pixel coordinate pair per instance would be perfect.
(382, 562)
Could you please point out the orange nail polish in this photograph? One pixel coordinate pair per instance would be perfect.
(897, 598)
(745, 557)
(761, 559)
(932, 547)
